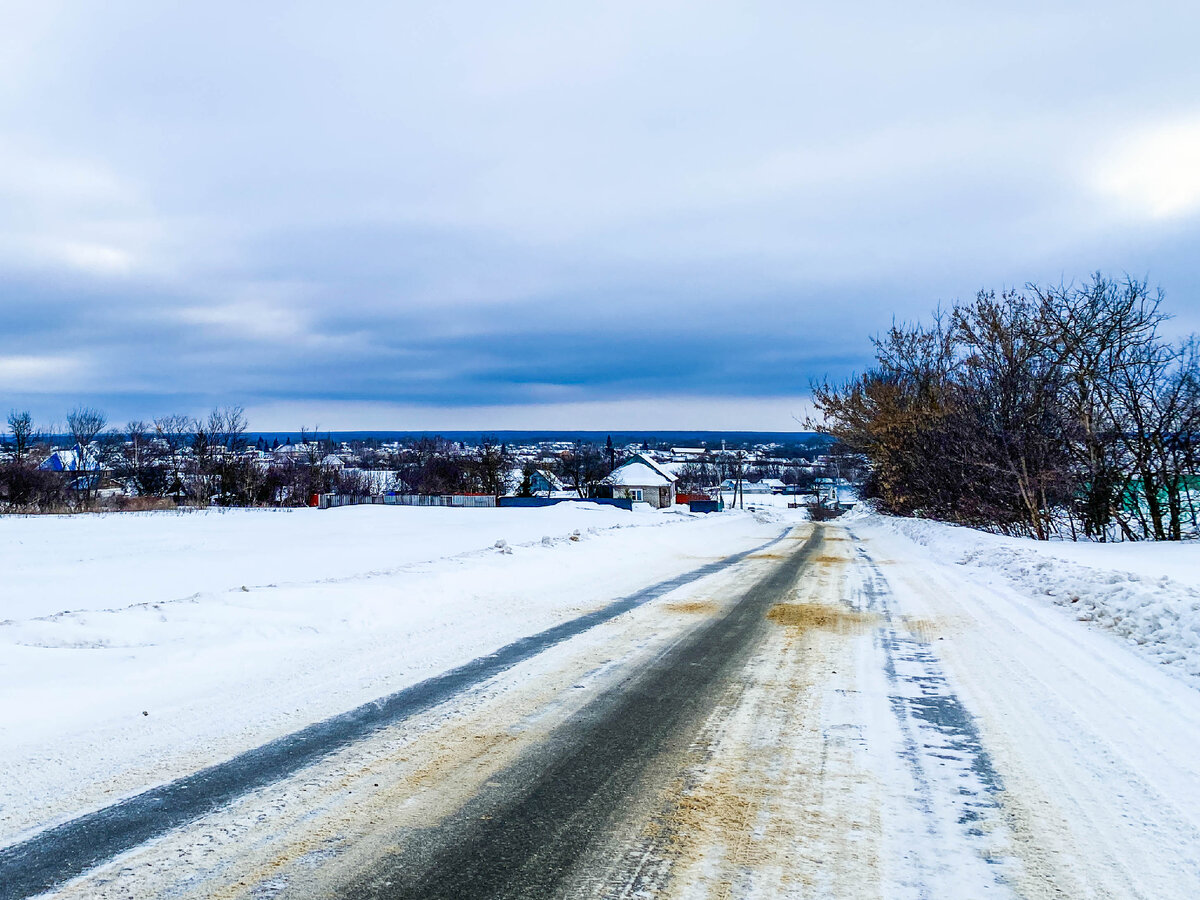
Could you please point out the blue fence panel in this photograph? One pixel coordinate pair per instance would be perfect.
(534, 502)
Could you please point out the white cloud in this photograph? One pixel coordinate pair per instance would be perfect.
(248, 320)
(30, 174)
(96, 258)
(1157, 173)
(41, 374)
(262, 310)
(66, 211)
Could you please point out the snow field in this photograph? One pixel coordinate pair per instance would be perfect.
(194, 637)
(114, 560)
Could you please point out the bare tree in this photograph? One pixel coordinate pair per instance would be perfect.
(21, 426)
(1010, 390)
(310, 445)
(133, 460)
(1098, 334)
(220, 438)
(493, 465)
(173, 436)
(83, 424)
(226, 427)
(1031, 409)
(693, 477)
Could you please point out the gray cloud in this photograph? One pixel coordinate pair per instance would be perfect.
(465, 205)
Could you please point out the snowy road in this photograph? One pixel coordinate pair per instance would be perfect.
(838, 716)
(68, 849)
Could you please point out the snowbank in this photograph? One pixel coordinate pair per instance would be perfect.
(1147, 593)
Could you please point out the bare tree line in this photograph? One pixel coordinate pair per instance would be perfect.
(1033, 412)
(175, 459)
(182, 460)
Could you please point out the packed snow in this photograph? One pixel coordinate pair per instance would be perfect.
(1146, 593)
(1094, 740)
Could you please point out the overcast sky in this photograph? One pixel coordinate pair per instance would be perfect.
(612, 215)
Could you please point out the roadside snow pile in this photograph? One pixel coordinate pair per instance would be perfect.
(1119, 587)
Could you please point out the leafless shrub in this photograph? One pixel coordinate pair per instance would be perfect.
(1032, 410)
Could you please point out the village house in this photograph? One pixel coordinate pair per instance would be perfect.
(72, 460)
(762, 486)
(86, 461)
(333, 463)
(643, 480)
(543, 482)
(774, 485)
(836, 492)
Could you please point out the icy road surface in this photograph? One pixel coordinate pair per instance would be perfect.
(836, 715)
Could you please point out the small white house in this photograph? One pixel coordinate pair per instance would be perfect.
(643, 480)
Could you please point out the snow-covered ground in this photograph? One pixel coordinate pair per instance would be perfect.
(1145, 593)
(1093, 738)
(136, 648)
(89, 562)
(930, 718)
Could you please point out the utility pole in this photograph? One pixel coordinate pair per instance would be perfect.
(739, 496)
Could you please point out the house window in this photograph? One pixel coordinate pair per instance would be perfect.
(635, 494)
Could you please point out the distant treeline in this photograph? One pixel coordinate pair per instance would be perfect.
(171, 460)
(655, 440)
(179, 459)
(1036, 411)
(182, 460)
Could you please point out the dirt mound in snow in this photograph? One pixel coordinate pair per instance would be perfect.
(807, 616)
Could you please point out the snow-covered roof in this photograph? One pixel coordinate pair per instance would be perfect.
(72, 460)
(550, 478)
(658, 467)
(296, 449)
(637, 475)
(640, 471)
